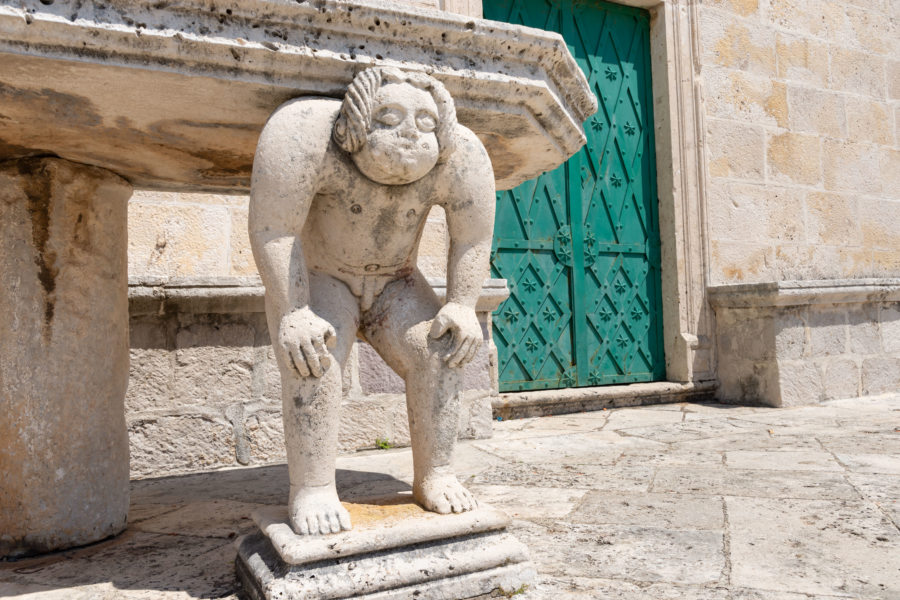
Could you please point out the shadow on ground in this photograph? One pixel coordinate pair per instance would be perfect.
(179, 541)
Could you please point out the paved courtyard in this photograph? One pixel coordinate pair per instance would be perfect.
(681, 501)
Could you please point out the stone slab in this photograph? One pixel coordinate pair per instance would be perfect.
(814, 547)
(633, 553)
(589, 588)
(665, 511)
(754, 483)
(197, 567)
(782, 460)
(518, 405)
(380, 525)
(193, 84)
(592, 448)
(871, 463)
(627, 478)
(216, 518)
(530, 502)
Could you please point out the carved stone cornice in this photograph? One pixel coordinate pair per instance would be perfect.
(805, 292)
(173, 94)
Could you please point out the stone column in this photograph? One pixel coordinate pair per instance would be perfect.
(63, 354)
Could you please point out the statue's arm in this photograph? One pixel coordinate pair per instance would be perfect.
(470, 219)
(288, 170)
(469, 206)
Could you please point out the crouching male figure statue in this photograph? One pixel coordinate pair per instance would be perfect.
(339, 197)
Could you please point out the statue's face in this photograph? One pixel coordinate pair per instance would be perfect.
(402, 145)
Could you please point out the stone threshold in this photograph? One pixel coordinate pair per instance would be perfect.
(542, 403)
(801, 293)
(218, 295)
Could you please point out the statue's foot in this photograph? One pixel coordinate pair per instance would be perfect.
(315, 510)
(443, 493)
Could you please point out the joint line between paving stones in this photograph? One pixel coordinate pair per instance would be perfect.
(497, 456)
(726, 544)
(859, 492)
(652, 480)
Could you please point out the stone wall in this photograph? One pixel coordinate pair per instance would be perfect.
(205, 391)
(172, 235)
(803, 167)
(803, 342)
(204, 388)
(802, 102)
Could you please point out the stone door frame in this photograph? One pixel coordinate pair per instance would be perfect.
(688, 319)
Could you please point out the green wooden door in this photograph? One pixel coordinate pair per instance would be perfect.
(580, 245)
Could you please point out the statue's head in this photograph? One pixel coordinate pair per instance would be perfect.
(396, 125)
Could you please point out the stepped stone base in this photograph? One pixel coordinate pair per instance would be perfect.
(395, 551)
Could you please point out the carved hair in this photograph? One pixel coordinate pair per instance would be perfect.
(355, 120)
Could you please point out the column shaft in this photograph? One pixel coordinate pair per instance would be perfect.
(63, 354)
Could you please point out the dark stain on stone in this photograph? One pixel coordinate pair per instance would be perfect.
(66, 109)
(10, 151)
(503, 158)
(384, 226)
(184, 134)
(37, 186)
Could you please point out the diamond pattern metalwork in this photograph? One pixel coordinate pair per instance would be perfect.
(580, 244)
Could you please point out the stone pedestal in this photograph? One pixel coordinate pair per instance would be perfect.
(395, 551)
(63, 354)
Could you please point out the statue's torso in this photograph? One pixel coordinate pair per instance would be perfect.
(358, 230)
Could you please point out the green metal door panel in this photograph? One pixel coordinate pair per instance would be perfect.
(533, 328)
(580, 244)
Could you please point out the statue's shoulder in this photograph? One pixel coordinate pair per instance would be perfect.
(469, 154)
(305, 110)
(464, 135)
(306, 121)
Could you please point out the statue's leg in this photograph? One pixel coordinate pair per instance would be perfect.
(311, 417)
(398, 327)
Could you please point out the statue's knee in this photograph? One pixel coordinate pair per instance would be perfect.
(426, 352)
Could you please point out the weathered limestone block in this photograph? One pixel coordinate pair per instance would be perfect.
(801, 342)
(63, 354)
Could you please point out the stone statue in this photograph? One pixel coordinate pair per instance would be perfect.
(339, 197)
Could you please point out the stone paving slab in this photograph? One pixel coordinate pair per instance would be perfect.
(663, 511)
(814, 546)
(680, 501)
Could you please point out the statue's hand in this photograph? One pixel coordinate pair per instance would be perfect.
(464, 329)
(306, 338)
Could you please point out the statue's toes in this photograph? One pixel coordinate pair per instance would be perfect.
(335, 519)
(303, 527)
(458, 503)
(442, 504)
(313, 524)
(343, 518)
